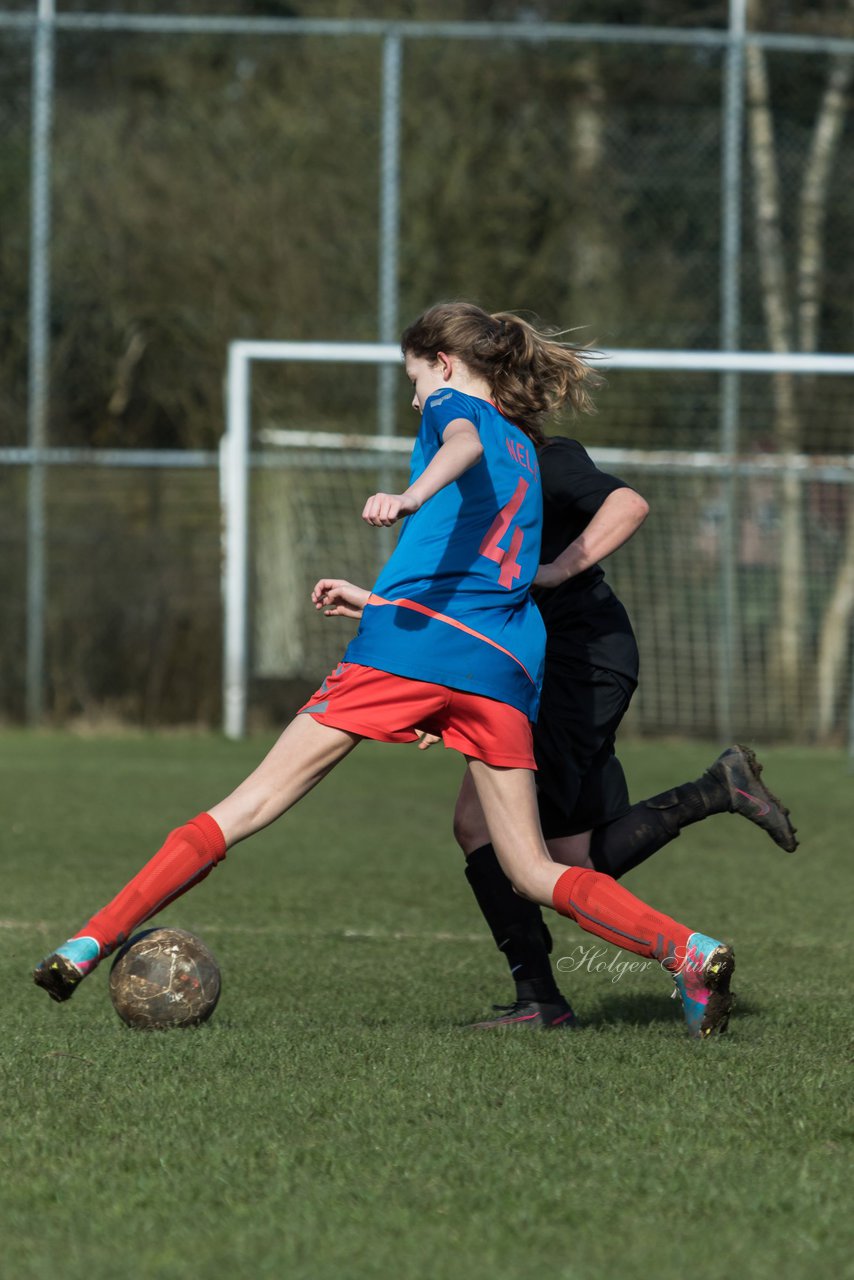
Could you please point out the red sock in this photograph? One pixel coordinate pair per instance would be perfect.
(189, 854)
(601, 906)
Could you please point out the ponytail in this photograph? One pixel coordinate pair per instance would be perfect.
(531, 374)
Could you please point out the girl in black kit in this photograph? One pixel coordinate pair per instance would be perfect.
(591, 672)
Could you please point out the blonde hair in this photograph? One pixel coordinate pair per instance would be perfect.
(530, 373)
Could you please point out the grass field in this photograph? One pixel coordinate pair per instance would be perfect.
(333, 1121)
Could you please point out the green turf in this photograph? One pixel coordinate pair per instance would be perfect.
(332, 1121)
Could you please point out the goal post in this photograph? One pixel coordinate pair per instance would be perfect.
(235, 457)
(341, 453)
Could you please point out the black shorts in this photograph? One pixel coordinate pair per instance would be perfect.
(580, 781)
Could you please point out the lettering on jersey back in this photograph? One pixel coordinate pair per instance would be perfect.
(519, 453)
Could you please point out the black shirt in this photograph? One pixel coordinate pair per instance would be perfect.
(584, 620)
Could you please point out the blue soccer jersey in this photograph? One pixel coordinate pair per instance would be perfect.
(452, 605)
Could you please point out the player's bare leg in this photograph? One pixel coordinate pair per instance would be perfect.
(471, 830)
(303, 755)
(508, 798)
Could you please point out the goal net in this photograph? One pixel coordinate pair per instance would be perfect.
(308, 489)
(740, 584)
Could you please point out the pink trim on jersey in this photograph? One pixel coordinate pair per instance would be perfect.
(403, 603)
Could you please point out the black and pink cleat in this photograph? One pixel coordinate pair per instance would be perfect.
(739, 772)
(532, 1015)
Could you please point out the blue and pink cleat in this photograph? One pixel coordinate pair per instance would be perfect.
(63, 970)
(703, 982)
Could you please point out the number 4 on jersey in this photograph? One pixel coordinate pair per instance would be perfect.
(508, 559)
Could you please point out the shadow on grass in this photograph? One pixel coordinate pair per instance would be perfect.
(638, 1010)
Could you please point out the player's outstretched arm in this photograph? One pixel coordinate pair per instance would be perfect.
(620, 515)
(339, 598)
(461, 449)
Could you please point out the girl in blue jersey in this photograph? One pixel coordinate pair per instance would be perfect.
(450, 643)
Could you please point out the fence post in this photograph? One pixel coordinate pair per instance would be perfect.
(851, 710)
(234, 494)
(730, 286)
(39, 364)
(389, 232)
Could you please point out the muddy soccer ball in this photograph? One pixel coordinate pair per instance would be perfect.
(164, 978)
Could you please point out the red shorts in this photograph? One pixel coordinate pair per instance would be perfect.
(390, 708)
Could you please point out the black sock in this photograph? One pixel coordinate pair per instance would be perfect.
(617, 847)
(516, 924)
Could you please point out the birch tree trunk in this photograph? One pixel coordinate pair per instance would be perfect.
(833, 640)
(772, 271)
(825, 141)
(594, 264)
